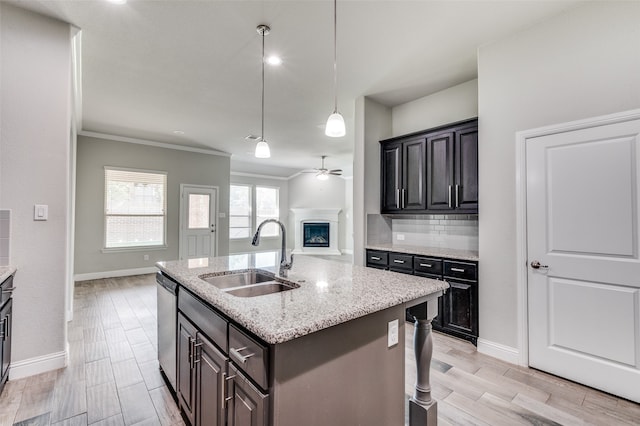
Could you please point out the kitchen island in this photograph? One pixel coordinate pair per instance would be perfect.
(330, 351)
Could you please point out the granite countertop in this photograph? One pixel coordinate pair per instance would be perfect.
(428, 251)
(330, 293)
(6, 272)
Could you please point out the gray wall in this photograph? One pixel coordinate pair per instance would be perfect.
(582, 63)
(182, 167)
(266, 243)
(447, 106)
(35, 107)
(307, 192)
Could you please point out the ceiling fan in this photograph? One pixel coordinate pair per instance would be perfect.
(323, 173)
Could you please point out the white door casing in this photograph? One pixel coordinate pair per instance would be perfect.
(581, 219)
(198, 221)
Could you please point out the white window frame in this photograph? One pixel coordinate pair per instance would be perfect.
(162, 246)
(253, 218)
(251, 212)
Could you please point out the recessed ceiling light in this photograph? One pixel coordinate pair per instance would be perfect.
(175, 132)
(274, 60)
(117, 1)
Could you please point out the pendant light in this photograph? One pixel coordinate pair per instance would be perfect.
(335, 124)
(262, 148)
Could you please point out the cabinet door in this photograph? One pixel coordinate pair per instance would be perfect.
(186, 373)
(466, 185)
(5, 314)
(460, 308)
(414, 164)
(440, 171)
(249, 407)
(211, 367)
(390, 177)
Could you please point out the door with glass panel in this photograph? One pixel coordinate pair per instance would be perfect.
(198, 233)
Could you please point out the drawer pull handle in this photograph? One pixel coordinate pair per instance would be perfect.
(457, 270)
(398, 261)
(242, 358)
(426, 265)
(375, 258)
(8, 290)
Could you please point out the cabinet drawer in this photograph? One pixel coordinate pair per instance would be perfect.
(400, 261)
(427, 265)
(209, 322)
(6, 290)
(462, 270)
(248, 354)
(379, 258)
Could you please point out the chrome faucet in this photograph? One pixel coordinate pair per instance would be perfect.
(284, 265)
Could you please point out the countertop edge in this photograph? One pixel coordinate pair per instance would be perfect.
(6, 272)
(455, 254)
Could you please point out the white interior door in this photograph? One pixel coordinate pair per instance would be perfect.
(582, 228)
(198, 233)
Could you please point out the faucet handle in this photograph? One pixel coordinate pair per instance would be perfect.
(290, 263)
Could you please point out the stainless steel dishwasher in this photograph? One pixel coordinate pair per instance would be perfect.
(167, 320)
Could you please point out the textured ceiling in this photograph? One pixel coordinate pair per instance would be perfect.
(152, 67)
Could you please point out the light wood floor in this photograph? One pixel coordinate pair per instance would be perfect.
(113, 377)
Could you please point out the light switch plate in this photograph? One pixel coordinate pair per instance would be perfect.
(400, 237)
(40, 212)
(392, 333)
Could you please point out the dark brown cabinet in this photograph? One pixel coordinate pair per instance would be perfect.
(6, 309)
(458, 307)
(211, 390)
(403, 180)
(433, 171)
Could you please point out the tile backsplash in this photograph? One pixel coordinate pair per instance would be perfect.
(5, 234)
(457, 231)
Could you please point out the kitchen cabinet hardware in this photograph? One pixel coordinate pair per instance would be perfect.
(375, 258)
(537, 265)
(457, 195)
(398, 261)
(242, 358)
(426, 265)
(398, 199)
(8, 290)
(457, 270)
(449, 197)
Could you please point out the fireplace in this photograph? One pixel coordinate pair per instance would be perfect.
(316, 231)
(315, 234)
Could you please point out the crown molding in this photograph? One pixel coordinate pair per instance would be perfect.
(152, 143)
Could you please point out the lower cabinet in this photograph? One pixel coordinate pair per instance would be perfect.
(211, 389)
(458, 307)
(5, 341)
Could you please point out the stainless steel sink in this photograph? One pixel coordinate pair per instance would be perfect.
(240, 279)
(250, 283)
(260, 289)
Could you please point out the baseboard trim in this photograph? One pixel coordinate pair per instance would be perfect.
(113, 274)
(497, 350)
(37, 365)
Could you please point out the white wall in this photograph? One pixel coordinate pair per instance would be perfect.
(182, 167)
(348, 214)
(456, 103)
(582, 63)
(35, 142)
(307, 192)
(372, 124)
(266, 243)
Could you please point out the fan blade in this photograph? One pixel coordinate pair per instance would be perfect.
(336, 173)
(335, 170)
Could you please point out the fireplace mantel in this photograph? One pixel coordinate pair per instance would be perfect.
(301, 216)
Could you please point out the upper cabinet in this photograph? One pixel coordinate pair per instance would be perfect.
(403, 179)
(434, 171)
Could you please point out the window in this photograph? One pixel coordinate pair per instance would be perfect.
(135, 208)
(251, 205)
(239, 211)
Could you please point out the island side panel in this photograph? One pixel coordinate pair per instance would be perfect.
(342, 375)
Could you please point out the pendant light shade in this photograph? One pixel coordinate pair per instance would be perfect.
(335, 127)
(262, 150)
(262, 147)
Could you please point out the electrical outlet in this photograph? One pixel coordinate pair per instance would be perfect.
(400, 237)
(392, 333)
(146, 257)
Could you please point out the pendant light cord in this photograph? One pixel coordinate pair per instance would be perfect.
(262, 129)
(335, 56)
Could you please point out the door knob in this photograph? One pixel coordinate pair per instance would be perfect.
(537, 265)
